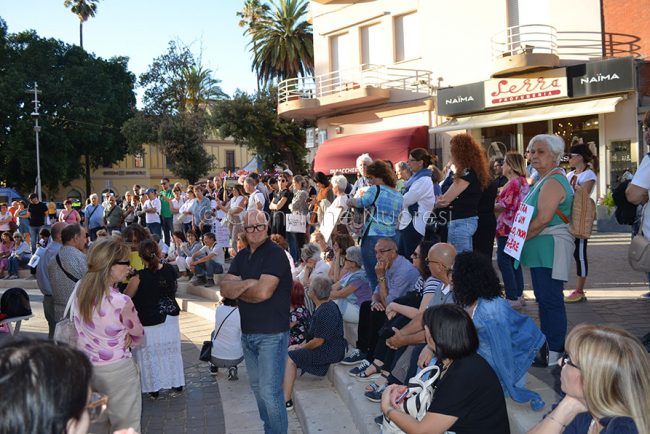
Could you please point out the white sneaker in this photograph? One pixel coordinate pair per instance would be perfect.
(553, 357)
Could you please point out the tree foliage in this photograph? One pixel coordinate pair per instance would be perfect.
(283, 42)
(177, 92)
(249, 17)
(83, 9)
(252, 120)
(84, 102)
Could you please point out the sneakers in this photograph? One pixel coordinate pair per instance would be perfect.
(289, 404)
(232, 373)
(12, 277)
(553, 357)
(176, 391)
(575, 297)
(209, 283)
(353, 358)
(214, 370)
(198, 280)
(359, 369)
(541, 359)
(375, 395)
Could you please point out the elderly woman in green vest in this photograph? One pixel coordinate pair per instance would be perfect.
(549, 244)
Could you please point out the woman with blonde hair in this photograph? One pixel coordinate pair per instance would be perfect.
(606, 378)
(472, 176)
(107, 327)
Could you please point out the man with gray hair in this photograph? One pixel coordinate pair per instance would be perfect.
(260, 278)
(67, 266)
(42, 277)
(94, 216)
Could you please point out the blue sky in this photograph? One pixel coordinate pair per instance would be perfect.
(141, 29)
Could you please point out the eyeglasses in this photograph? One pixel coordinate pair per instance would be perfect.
(429, 261)
(566, 360)
(122, 263)
(254, 228)
(415, 255)
(383, 251)
(96, 406)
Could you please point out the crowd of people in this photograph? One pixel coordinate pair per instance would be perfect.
(398, 264)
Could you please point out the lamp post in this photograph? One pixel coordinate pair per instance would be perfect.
(37, 129)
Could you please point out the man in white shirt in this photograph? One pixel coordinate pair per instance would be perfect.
(207, 261)
(256, 198)
(152, 207)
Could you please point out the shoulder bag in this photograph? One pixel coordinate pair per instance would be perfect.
(206, 349)
(418, 397)
(638, 254)
(70, 276)
(65, 331)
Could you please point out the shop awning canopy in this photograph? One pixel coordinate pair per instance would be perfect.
(340, 154)
(583, 108)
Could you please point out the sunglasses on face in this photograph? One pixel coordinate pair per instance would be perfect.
(122, 263)
(254, 228)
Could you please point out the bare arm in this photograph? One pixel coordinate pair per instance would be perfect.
(261, 289)
(635, 194)
(132, 287)
(550, 195)
(458, 186)
(342, 293)
(312, 344)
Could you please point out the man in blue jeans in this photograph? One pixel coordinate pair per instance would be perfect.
(37, 212)
(207, 262)
(260, 278)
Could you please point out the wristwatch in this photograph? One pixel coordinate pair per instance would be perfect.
(381, 279)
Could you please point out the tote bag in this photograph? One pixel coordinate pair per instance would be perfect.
(65, 331)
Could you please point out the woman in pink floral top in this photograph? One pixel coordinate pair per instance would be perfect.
(507, 204)
(107, 325)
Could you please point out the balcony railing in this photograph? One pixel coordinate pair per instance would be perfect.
(545, 39)
(379, 76)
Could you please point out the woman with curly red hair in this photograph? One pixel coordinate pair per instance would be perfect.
(471, 177)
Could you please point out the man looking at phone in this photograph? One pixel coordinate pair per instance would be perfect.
(260, 278)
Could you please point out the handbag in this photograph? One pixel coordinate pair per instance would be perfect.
(418, 397)
(206, 349)
(167, 306)
(638, 254)
(65, 331)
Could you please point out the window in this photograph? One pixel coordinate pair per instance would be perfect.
(340, 59)
(138, 160)
(230, 160)
(371, 49)
(407, 41)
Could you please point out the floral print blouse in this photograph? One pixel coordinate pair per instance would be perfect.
(298, 333)
(512, 194)
(103, 340)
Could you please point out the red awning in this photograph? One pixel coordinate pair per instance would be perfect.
(340, 154)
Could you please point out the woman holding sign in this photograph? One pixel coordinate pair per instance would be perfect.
(549, 244)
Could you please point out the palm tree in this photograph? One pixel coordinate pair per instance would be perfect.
(83, 9)
(200, 88)
(249, 17)
(284, 42)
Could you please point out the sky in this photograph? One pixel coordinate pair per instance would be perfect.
(141, 30)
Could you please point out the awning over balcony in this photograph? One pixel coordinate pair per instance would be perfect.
(340, 154)
(510, 117)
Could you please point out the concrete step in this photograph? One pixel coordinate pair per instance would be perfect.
(320, 408)
(211, 293)
(351, 392)
(19, 283)
(522, 417)
(198, 306)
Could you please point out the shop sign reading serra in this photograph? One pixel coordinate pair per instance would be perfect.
(505, 91)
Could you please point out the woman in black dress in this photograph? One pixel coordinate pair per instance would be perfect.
(279, 205)
(325, 342)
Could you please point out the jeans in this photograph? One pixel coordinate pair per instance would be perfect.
(33, 234)
(15, 263)
(460, 233)
(208, 269)
(409, 239)
(296, 241)
(155, 229)
(552, 313)
(266, 356)
(513, 279)
(167, 229)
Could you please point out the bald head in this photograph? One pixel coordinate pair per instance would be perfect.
(255, 217)
(56, 229)
(443, 253)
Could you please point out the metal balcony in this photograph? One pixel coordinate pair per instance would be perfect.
(361, 86)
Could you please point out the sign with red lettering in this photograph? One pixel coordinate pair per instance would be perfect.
(519, 231)
(510, 90)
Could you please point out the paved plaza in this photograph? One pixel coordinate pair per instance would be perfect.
(215, 405)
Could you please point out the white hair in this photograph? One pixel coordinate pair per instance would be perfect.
(310, 251)
(93, 196)
(363, 158)
(555, 144)
(339, 181)
(321, 286)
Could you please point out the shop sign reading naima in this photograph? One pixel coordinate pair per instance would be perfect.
(514, 90)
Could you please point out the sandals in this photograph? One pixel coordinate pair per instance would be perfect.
(376, 386)
(362, 376)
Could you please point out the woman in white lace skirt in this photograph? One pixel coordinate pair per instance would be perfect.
(153, 292)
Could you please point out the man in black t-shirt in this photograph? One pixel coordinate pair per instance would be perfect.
(37, 212)
(260, 278)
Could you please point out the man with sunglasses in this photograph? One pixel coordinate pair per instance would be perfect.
(260, 278)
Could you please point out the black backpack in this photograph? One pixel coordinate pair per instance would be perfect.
(625, 211)
(15, 303)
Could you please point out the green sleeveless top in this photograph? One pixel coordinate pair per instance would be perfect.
(538, 251)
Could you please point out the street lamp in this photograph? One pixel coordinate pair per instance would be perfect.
(37, 129)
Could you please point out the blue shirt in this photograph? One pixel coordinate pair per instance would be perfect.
(401, 278)
(201, 211)
(385, 211)
(96, 220)
(42, 277)
(612, 425)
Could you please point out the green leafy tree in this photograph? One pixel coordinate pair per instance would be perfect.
(83, 9)
(84, 102)
(252, 120)
(177, 94)
(283, 42)
(249, 17)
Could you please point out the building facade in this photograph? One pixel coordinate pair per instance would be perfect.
(389, 67)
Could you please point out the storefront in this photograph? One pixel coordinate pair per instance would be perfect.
(595, 103)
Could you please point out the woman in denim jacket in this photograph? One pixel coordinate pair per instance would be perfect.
(508, 339)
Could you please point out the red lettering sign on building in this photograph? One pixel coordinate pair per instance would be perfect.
(505, 91)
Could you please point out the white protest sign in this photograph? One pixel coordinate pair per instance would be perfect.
(296, 223)
(330, 219)
(221, 234)
(517, 236)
